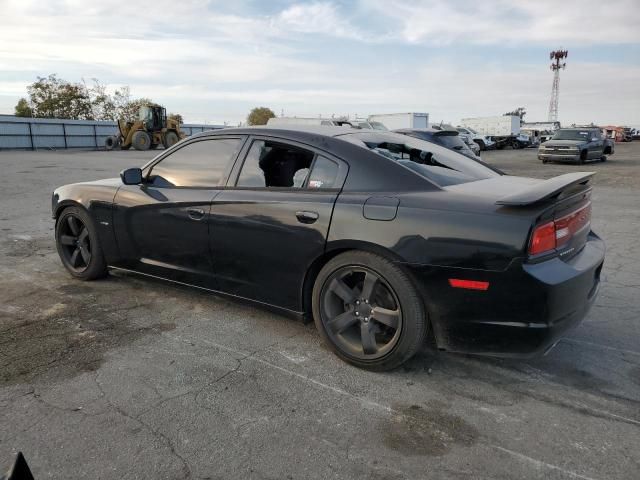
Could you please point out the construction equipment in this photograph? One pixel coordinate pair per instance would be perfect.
(152, 128)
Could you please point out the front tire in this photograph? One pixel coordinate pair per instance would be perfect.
(141, 140)
(583, 157)
(368, 311)
(78, 245)
(170, 139)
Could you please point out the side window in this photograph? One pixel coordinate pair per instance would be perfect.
(198, 164)
(324, 173)
(270, 164)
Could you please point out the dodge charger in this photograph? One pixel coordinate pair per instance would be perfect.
(381, 239)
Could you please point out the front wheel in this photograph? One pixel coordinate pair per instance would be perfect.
(78, 245)
(368, 311)
(141, 140)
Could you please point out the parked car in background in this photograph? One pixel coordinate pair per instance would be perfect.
(484, 142)
(473, 146)
(447, 138)
(576, 145)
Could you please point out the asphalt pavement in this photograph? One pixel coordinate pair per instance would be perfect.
(131, 378)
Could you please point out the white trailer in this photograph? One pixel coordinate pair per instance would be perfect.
(394, 121)
(502, 129)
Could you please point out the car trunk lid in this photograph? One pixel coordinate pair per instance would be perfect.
(560, 208)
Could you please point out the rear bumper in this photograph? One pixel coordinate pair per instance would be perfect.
(526, 309)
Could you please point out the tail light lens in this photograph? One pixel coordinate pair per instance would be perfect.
(560, 231)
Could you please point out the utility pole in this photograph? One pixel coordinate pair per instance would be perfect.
(557, 56)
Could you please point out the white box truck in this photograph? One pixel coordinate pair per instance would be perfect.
(394, 121)
(502, 129)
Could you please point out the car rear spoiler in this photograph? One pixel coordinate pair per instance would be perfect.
(547, 189)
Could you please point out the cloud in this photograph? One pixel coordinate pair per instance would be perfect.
(543, 22)
(213, 60)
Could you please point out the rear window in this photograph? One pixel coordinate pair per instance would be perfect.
(438, 164)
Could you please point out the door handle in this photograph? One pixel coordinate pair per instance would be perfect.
(195, 213)
(305, 216)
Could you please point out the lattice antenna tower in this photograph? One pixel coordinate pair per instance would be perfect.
(557, 63)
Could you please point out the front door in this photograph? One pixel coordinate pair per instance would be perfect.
(162, 226)
(272, 222)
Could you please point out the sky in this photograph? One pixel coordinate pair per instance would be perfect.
(212, 61)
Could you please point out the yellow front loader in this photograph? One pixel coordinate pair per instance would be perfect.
(152, 128)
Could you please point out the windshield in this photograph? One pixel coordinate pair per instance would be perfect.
(572, 135)
(438, 164)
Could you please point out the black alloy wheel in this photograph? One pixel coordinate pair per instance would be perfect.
(368, 311)
(78, 245)
(75, 243)
(361, 312)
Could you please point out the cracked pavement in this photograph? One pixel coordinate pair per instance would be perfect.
(132, 378)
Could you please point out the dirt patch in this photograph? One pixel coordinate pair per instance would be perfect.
(23, 246)
(54, 333)
(430, 431)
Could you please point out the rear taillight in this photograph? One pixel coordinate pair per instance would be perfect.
(559, 232)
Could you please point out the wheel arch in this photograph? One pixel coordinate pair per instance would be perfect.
(332, 250)
(63, 204)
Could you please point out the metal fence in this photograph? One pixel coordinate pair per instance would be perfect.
(53, 133)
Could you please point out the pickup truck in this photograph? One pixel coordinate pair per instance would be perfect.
(576, 145)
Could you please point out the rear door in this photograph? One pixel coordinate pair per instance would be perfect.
(272, 220)
(162, 226)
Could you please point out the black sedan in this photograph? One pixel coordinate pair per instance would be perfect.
(381, 238)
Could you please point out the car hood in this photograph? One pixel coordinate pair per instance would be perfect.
(563, 143)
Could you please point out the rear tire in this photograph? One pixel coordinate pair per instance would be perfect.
(78, 245)
(170, 139)
(368, 311)
(141, 140)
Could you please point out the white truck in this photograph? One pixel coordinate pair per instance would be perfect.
(394, 121)
(285, 121)
(502, 129)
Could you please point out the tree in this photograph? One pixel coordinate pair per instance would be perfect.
(177, 117)
(260, 116)
(23, 109)
(103, 106)
(52, 97)
(519, 112)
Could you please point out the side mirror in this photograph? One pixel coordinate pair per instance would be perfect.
(131, 176)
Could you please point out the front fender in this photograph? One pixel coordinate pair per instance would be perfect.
(96, 198)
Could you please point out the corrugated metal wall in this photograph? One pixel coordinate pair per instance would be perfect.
(53, 133)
